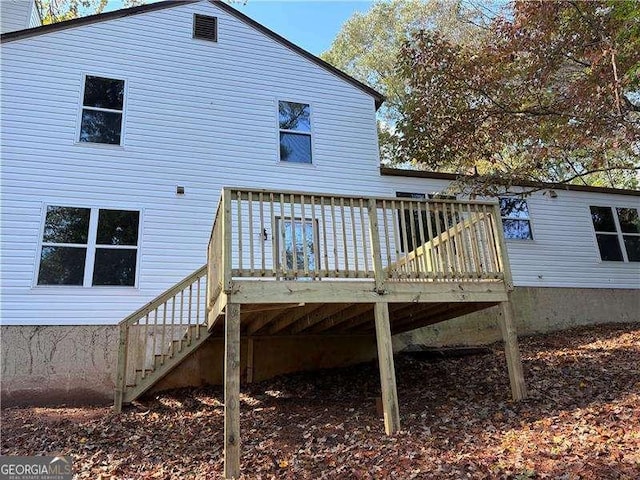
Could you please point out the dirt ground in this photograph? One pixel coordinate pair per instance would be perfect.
(581, 421)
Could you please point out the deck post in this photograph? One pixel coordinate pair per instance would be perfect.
(232, 392)
(122, 367)
(227, 230)
(250, 360)
(387, 370)
(374, 235)
(512, 352)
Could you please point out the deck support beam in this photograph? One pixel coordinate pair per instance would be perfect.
(232, 392)
(387, 369)
(512, 352)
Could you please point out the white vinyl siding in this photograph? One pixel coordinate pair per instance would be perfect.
(18, 15)
(198, 115)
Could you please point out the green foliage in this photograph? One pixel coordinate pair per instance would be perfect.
(53, 11)
(550, 94)
(368, 46)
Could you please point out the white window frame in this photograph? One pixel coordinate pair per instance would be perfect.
(81, 108)
(310, 133)
(91, 246)
(618, 233)
(528, 219)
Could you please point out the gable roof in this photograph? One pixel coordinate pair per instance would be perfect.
(126, 12)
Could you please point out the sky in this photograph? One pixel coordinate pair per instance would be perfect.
(310, 24)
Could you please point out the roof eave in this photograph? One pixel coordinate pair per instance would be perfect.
(401, 172)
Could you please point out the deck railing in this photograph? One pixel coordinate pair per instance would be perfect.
(152, 335)
(280, 235)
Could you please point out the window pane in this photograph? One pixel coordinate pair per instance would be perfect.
(62, 266)
(117, 227)
(100, 127)
(517, 229)
(514, 208)
(411, 214)
(115, 267)
(632, 245)
(602, 218)
(629, 220)
(295, 148)
(609, 247)
(66, 225)
(103, 93)
(295, 116)
(303, 234)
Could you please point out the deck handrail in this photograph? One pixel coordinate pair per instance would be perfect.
(171, 317)
(286, 235)
(164, 296)
(351, 196)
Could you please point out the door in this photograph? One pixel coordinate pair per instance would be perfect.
(298, 246)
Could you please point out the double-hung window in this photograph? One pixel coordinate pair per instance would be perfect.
(515, 218)
(617, 233)
(89, 247)
(295, 132)
(102, 109)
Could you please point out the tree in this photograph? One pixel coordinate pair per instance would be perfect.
(368, 46)
(550, 94)
(53, 11)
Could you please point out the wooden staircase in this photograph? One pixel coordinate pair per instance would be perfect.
(156, 338)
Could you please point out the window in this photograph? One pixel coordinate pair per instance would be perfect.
(515, 218)
(295, 132)
(84, 247)
(409, 217)
(102, 108)
(617, 233)
(410, 214)
(205, 27)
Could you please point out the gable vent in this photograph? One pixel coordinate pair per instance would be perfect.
(205, 27)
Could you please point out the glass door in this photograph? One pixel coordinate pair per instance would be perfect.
(298, 241)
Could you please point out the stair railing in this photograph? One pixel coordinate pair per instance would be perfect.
(160, 329)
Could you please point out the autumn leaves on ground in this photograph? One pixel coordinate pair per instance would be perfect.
(581, 421)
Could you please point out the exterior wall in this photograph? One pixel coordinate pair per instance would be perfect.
(18, 15)
(197, 114)
(58, 364)
(203, 115)
(77, 364)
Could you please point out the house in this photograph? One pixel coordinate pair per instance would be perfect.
(141, 144)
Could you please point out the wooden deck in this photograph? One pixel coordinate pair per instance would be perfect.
(310, 263)
(296, 263)
(290, 263)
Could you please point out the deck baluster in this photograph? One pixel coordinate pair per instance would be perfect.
(354, 238)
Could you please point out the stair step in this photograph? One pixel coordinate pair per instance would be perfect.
(176, 351)
(159, 360)
(177, 346)
(146, 370)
